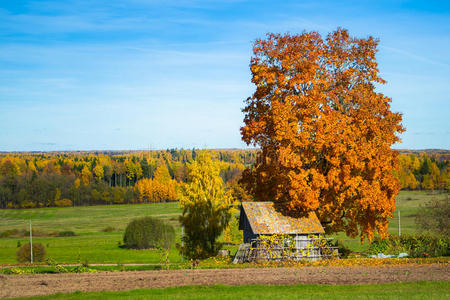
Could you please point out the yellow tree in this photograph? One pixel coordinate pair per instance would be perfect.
(160, 189)
(98, 172)
(86, 175)
(32, 167)
(9, 167)
(206, 208)
(144, 187)
(324, 132)
(435, 175)
(76, 187)
(411, 182)
(162, 174)
(164, 187)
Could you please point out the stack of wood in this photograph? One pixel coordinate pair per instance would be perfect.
(242, 255)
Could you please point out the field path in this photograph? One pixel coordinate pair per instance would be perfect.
(45, 284)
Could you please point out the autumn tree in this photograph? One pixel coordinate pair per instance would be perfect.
(162, 174)
(98, 172)
(206, 208)
(325, 134)
(161, 188)
(86, 175)
(405, 173)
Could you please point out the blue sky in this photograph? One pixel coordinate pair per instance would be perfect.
(139, 74)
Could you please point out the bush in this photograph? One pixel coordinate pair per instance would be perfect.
(9, 233)
(24, 255)
(108, 229)
(66, 233)
(63, 202)
(433, 217)
(414, 245)
(23, 233)
(26, 233)
(148, 232)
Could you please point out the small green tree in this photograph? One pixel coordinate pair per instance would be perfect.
(148, 232)
(24, 253)
(434, 217)
(206, 208)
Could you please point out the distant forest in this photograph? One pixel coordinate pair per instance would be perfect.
(35, 179)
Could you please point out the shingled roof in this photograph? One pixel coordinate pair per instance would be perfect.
(264, 219)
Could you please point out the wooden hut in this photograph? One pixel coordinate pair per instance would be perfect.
(261, 218)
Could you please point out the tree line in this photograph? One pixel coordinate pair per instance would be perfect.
(421, 171)
(30, 180)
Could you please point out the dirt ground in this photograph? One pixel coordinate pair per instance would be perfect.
(45, 284)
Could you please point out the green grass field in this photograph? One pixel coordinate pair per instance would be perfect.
(412, 290)
(91, 243)
(408, 202)
(95, 246)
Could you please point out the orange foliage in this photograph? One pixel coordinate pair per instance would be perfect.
(325, 134)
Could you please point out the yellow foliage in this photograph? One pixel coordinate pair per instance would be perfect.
(205, 184)
(86, 175)
(151, 190)
(206, 208)
(98, 172)
(63, 202)
(162, 174)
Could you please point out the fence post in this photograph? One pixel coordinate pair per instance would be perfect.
(399, 226)
(182, 243)
(31, 242)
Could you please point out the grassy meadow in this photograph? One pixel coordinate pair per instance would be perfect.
(91, 244)
(409, 202)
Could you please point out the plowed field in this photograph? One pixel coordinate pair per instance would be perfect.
(45, 284)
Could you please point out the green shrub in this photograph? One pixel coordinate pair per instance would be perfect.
(66, 233)
(414, 245)
(108, 229)
(24, 255)
(148, 232)
(9, 233)
(434, 217)
(379, 246)
(26, 233)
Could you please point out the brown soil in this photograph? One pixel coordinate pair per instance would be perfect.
(45, 284)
